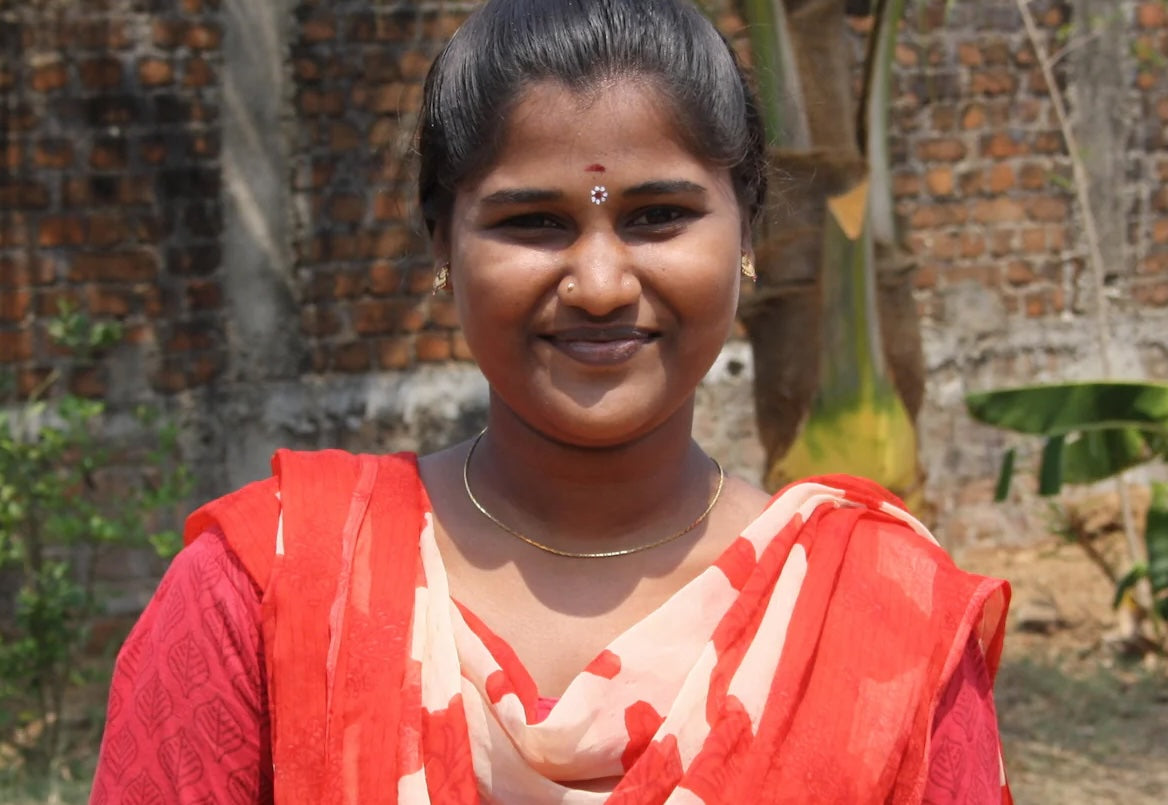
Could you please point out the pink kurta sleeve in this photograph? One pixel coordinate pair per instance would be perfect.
(188, 719)
(965, 750)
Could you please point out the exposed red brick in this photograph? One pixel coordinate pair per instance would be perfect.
(397, 241)
(996, 81)
(155, 72)
(1019, 272)
(128, 266)
(17, 272)
(1050, 142)
(384, 279)
(109, 155)
(351, 358)
(396, 98)
(1155, 295)
(15, 345)
(60, 231)
(421, 280)
(347, 208)
(1050, 209)
(926, 276)
(432, 347)
(443, 312)
(319, 29)
(49, 77)
(969, 54)
(974, 117)
(197, 72)
(940, 181)
(1033, 240)
(941, 150)
(104, 300)
(415, 63)
(202, 37)
(380, 316)
(204, 295)
(320, 321)
(168, 33)
(100, 73)
(972, 244)
(1001, 179)
(999, 210)
(395, 353)
(196, 261)
(1002, 243)
(53, 154)
(1151, 14)
(189, 337)
(905, 185)
(1034, 176)
(343, 137)
(15, 305)
(52, 301)
(1003, 146)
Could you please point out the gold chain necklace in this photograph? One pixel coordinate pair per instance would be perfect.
(573, 554)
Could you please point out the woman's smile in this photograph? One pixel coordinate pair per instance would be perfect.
(610, 345)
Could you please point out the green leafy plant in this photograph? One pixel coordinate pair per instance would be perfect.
(1093, 431)
(67, 499)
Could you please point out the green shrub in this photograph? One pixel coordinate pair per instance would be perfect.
(58, 518)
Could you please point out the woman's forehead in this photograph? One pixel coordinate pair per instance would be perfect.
(591, 131)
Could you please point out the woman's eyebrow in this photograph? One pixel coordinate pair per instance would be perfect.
(664, 187)
(522, 195)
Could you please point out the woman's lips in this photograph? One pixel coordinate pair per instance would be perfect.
(601, 347)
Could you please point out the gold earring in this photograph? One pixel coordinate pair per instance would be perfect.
(748, 268)
(442, 279)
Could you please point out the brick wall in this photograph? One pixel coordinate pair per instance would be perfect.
(362, 262)
(109, 196)
(112, 188)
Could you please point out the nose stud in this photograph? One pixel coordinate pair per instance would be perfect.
(570, 287)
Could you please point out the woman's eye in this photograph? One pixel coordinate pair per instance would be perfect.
(658, 216)
(535, 220)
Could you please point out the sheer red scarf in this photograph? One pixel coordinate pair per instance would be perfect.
(876, 625)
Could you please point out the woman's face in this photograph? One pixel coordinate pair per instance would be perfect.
(595, 263)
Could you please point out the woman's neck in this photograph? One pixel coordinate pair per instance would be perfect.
(582, 498)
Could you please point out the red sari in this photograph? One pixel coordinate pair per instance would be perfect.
(847, 660)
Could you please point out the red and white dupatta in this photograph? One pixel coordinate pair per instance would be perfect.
(805, 665)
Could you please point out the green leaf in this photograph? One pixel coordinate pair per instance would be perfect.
(1105, 427)
(1128, 582)
(1050, 471)
(1098, 454)
(1002, 491)
(1064, 408)
(1156, 535)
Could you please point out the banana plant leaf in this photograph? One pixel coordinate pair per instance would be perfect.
(1093, 430)
(1156, 568)
(1156, 535)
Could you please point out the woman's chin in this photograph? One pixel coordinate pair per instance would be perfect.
(612, 422)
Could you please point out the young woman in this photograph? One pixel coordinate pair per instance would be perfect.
(576, 606)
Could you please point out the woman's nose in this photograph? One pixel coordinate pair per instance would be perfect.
(600, 275)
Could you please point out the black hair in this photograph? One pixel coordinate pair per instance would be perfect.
(507, 45)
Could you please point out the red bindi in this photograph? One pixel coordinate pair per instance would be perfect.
(595, 168)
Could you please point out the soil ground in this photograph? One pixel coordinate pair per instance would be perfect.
(1080, 722)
